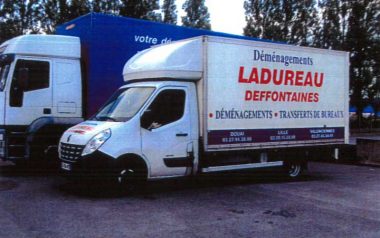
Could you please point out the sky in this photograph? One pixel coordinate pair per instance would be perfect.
(225, 15)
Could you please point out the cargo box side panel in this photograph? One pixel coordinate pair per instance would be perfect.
(263, 95)
(116, 39)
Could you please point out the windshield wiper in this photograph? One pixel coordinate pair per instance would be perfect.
(105, 118)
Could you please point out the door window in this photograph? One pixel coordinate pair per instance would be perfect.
(166, 108)
(37, 71)
(29, 75)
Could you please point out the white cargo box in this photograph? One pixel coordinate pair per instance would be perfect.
(255, 94)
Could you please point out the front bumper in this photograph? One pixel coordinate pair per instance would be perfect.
(95, 165)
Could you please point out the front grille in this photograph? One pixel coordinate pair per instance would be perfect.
(70, 152)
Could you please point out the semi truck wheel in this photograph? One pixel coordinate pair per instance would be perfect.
(294, 170)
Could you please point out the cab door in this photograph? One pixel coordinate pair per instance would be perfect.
(30, 93)
(165, 133)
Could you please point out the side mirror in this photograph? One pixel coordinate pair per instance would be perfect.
(6, 59)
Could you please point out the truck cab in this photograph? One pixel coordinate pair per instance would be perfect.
(148, 126)
(40, 85)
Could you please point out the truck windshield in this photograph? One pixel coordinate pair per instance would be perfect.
(5, 64)
(124, 104)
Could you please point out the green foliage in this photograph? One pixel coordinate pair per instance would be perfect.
(304, 20)
(19, 17)
(143, 9)
(263, 19)
(197, 15)
(107, 7)
(78, 8)
(288, 20)
(37, 16)
(169, 9)
(330, 34)
(56, 12)
(362, 41)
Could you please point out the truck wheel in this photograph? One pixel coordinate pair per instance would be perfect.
(131, 179)
(294, 170)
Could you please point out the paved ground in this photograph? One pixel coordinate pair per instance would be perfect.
(331, 201)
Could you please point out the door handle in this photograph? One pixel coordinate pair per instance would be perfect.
(47, 111)
(182, 134)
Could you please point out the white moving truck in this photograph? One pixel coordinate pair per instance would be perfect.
(209, 104)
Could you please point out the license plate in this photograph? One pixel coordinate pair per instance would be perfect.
(65, 166)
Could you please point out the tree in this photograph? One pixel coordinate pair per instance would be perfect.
(78, 8)
(330, 35)
(273, 20)
(290, 21)
(142, 9)
(6, 24)
(269, 19)
(169, 10)
(19, 17)
(108, 7)
(305, 20)
(361, 41)
(197, 15)
(56, 12)
(288, 15)
(374, 89)
(254, 19)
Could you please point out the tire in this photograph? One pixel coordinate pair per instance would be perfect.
(131, 179)
(294, 170)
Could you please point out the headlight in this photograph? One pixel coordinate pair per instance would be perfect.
(96, 142)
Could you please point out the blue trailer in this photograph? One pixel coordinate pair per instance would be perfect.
(109, 41)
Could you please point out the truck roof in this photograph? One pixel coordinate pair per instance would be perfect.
(180, 59)
(183, 59)
(43, 45)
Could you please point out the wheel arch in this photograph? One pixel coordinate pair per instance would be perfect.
(47, 131)
(134, 159)
(45, 122)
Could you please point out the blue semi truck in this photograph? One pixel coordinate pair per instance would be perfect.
(49, 83)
